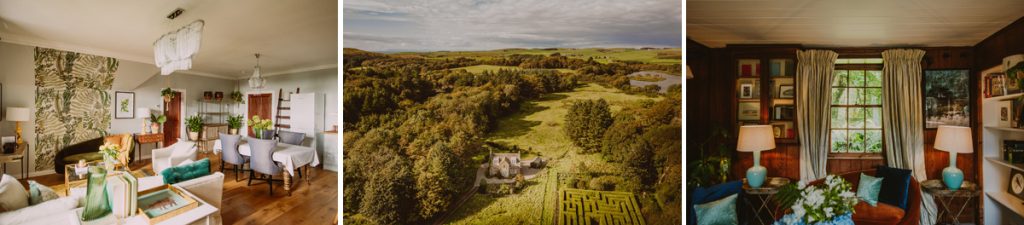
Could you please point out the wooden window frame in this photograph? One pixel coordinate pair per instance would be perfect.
(856, 155)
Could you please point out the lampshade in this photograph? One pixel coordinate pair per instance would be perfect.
(689, 73)
(755, 138)
(954, 139)
(142, 112)
(18, 114)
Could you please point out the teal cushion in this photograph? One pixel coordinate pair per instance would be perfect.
(39, 193)
(869, 188)
(722, 211)
(181, 173)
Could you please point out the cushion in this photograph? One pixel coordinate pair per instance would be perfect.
(39, 193)
(703, 195)
(40, 212)
(182, 149)
(186, 172)
(881, 214)
(88, 157)
(12, 195)
(868, 188)
(895, 186)
(719, 212)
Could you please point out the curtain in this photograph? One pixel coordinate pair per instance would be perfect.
(813, 84)
(902, 122)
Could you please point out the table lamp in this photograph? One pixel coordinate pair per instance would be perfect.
(18, 115)
(953, 139)
(143, 113)
(756, 138)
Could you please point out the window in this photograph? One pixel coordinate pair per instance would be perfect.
(856, 117)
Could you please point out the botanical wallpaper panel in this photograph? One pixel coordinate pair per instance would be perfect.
(71, 100)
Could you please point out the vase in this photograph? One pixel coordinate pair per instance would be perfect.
(267, 134)
(193, 136)
(233, 131)
(791, 219)
(96, 205)
(155, 128)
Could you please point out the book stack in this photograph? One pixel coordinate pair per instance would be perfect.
(123, 194)
(994, 85)
(1013, 151)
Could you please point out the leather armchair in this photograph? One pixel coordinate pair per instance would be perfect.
(173, 155)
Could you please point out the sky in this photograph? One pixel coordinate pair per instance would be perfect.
(461, 25)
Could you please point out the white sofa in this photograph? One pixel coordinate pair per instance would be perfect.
(173, 155)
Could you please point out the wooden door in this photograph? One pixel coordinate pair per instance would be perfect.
(259, 105)
(172, 128)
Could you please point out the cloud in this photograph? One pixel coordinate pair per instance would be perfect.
(492, 24)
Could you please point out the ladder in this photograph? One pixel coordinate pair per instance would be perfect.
(282, 108)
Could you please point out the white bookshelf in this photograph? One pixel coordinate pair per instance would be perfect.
(1000, 206)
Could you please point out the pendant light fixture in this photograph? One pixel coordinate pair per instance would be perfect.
(257, 81)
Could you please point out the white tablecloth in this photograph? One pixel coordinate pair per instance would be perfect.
(291, 156)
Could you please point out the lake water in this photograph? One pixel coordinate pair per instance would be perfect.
(664, 84)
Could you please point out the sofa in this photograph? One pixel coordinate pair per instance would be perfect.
(89, 151)
(883, 214)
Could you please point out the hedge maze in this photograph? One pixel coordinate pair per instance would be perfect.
(587, 207)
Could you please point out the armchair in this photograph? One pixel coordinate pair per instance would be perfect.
(173, 155)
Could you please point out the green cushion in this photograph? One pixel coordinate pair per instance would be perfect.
(88, 157)
(186, 172)
(869, 188)
(722, 211)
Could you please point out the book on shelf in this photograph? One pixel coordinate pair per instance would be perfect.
(1013, 151)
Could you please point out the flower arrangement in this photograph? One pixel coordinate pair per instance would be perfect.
(829, 204)
(259, 125)
(110, 152)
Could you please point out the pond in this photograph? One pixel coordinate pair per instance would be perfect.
(668, 80)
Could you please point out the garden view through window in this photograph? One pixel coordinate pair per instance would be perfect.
(856, 117)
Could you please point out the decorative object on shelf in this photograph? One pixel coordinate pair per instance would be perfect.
(786, 91)
(124, 105)
(831, 203)
(993, 84)
(1016, 184)
(257, 81)
(261, 127)
(1014, 69)
(194, 124)
(784, 112)
(160, 204)
(234, 123)
(749, 111)
(237, 96)
(157, 120)
(167, 94)
(953, 139)
(9, 144)
(111, 153)
(1005, 113)
(946, 98)
(781, 68)
(746, 90)
(207, 95)
(756, 138)
(18, 115)
(1013, 151)
(750, 67)
(144, 114)
(174, 50)
(96, 195)
(218, 95)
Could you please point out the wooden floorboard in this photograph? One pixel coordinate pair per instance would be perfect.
(313, 203)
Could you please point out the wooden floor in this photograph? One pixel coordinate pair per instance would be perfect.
(313, 203)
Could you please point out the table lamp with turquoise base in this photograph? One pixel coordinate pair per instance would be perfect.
(953, 139)
(756, 138)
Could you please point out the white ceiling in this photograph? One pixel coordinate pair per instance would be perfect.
(292, 36)
(852, 23)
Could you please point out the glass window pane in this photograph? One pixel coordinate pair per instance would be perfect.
(873, 96)
(839, 96)
(857, 96)
(839, 143)
(856, 141)
(838, 117)
(873, 117)
(874, 141)
(842, 61)
(856, 61)
(874, 78)
(873, 61)
(856, 116)
(856, 78)
(840, 78)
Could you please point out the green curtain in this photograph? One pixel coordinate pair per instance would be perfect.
(813, 84)
(902, 118)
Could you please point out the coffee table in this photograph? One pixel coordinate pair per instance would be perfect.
(74, 179)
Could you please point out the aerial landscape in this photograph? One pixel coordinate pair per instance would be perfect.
(512, 112)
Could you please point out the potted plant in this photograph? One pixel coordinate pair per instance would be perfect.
(194, 124)
(157, 122)
(261, 127)
(167, 93)
(234, 123)
(111, 154)
(713, 163)
(237, 96)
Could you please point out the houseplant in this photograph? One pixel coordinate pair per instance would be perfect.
(237, 96)
(830, 204)
(167, 93)
(713, 163)
(158, 121)
(194, 124)
(261, 127)
(111, 153)
(234, 123)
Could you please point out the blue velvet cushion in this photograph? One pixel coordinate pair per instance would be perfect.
(895, 186)
(718, 212)
(181, 173)
(703, 195)
(868, 189)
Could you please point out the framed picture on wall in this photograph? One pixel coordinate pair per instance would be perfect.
(124, 105)
(786, 91)
(746, 91)
(947, 98)
(749, 111)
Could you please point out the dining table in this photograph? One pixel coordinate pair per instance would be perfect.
(291, 157)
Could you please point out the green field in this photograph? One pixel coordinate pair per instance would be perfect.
(604, 55)
(579, 207)
(538, 125)
(481, 68)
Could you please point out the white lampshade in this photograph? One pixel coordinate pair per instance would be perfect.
(689, 73)
(755, 138)
(18, 114)
(142, 112)
(954, 139)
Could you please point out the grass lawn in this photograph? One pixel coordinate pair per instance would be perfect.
(481, 68)
(603, 55)
(538, 125)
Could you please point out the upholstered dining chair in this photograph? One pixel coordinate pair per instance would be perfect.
(292, 138)
(230, 154)
(262, 161)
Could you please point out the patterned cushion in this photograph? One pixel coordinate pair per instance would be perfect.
(39, 193)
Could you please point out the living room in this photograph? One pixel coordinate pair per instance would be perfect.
(211, 112)
(914, 104)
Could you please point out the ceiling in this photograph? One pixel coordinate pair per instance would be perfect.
(292, 36)
(860, 23)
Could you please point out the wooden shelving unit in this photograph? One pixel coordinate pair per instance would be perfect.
(1000, 206)
(766, 82)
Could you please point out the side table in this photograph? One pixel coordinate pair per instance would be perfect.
(946, 198)
(157, 139)
(20, 155)
(760, 201)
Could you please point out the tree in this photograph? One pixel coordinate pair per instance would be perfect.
(388, 190)
(586, 123)
(435, 185)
